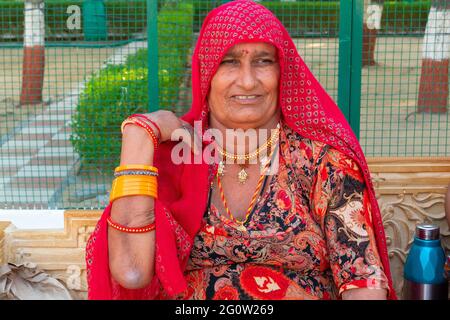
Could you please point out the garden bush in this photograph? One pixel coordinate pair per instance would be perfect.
(405, 17)
(108, 98)
(322, 17)
(117, 91)
(124, 19)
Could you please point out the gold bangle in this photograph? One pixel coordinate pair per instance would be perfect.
(136, 167)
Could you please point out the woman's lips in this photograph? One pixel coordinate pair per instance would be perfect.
(246, 99)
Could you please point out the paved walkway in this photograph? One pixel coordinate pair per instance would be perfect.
(38, 159)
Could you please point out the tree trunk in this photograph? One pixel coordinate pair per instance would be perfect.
(372, 23)
(433, 87)
(34, 53)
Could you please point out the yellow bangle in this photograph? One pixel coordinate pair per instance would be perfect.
(124, 186)
(136, 167)
(134, 192)
(124, 181)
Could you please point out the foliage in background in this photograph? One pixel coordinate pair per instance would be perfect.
(117, 91)
(124, 19)
(322, 17)
(405, 17)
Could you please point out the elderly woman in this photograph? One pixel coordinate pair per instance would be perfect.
(301, 222)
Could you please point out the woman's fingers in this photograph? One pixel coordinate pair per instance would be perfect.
(192, 138)
(173, 128)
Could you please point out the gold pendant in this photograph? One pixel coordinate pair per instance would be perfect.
(264, 162)
(242, 176)
(241, 227)
(221, 168)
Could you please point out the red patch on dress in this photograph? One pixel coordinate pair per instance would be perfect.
(226, 293)
(324, 173)
(306, 149)
(283, 200)
(349, 167)
(264, 283)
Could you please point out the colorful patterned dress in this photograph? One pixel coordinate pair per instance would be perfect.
(308, 237)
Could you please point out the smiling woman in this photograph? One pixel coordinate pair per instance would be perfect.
(244, 90)
(292, 216)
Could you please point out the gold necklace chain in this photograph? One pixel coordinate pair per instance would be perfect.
(265, 169)
(254, 154)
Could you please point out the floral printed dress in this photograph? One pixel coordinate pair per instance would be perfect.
(309, 236)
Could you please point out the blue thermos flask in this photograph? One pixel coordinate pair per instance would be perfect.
(424, 267)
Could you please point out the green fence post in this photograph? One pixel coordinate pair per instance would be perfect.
(345, 56)
(356, 63)
(152, 45)
(350, 60)
(94, 20)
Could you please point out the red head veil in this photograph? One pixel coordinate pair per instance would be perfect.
(306, 108)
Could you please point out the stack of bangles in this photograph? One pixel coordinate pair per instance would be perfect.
(146, 123)
(133, 180)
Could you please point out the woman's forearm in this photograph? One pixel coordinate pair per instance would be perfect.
(364, 294)
(131, 256)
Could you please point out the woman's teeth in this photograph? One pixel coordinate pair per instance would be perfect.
(245, 97)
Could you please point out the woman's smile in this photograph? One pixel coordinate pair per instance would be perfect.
(246, 99)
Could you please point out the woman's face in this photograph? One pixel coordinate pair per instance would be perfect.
(244, 90)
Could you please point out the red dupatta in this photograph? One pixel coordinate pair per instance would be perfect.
(306, 108)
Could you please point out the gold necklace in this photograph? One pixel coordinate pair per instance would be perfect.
(242, 175)
(264, 169)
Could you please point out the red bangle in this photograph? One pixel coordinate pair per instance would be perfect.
(140, 115)
(122, 228)
(147, 128)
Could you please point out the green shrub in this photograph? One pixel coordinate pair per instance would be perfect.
(307, 17)
(124, 18)
(322, 17)
(405, 17)
(107, 99)
(120, 90)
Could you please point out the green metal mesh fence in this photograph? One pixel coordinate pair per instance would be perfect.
(71, 71)
(405, 81)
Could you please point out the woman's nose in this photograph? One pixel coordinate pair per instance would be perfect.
(247, 77)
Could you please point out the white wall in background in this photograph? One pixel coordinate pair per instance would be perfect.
(34, 219)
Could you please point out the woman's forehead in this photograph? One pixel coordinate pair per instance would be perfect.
(253, 48)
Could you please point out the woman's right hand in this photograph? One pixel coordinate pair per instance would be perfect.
(137, 148)
(168, 123)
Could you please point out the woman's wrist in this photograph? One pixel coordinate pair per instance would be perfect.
(137, 147)
(133, 211)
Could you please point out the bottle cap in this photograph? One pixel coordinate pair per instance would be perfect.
(427, 231)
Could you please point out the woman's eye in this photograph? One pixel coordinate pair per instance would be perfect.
(229, 61)
(264, 61)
